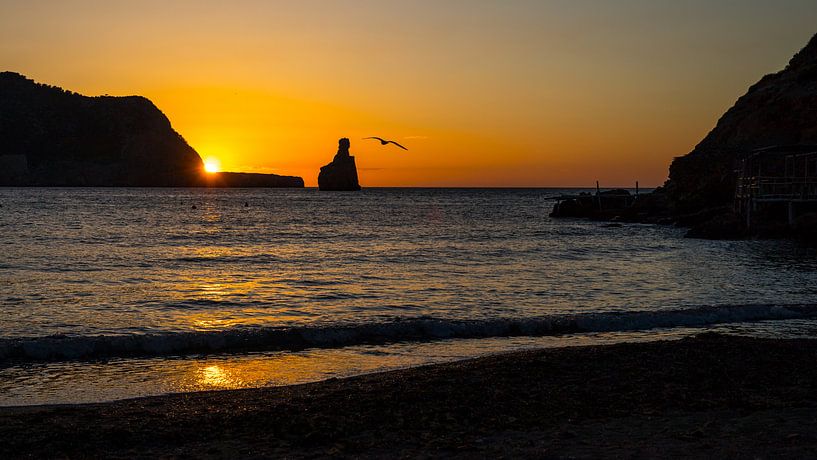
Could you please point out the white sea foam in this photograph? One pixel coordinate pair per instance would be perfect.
(63, 348)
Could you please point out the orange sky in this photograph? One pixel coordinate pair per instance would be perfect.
(483, 93)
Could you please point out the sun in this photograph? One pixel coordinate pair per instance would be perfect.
(212, 165)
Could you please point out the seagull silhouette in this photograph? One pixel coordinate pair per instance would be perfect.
(384, 142)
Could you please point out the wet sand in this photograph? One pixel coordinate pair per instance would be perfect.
(707, 396)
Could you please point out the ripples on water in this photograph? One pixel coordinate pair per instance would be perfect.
(120, 261)
(89, 262)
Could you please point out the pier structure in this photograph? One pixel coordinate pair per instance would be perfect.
(776, 184)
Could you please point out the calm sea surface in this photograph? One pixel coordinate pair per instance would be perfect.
(169, 276)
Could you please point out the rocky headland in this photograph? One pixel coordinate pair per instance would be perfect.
(53, 137)
(778, 110)
(341, 173)
(252, 180)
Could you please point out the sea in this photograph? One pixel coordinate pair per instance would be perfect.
(112, 293)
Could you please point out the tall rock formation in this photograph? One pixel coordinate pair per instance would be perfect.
(779, 110)
(341, 173)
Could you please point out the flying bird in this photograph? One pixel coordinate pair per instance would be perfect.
(384, 142)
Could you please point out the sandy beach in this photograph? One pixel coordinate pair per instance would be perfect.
(707, 396)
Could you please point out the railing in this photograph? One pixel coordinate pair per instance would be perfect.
(776, 188)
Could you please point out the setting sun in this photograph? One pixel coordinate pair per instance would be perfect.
(212, 165)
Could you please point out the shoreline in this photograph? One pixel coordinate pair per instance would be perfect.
(709, 395)
(291, 338)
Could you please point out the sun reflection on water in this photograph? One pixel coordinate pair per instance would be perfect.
(214, 376)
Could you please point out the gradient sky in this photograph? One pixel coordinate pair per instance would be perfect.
(483, 93)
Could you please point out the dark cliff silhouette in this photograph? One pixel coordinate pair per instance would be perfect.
(53, 137)
(780, 109)
(778, 113)
(341, 173)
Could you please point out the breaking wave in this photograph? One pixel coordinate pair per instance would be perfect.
(64, 348)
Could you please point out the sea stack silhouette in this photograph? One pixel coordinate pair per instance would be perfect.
(341, 173)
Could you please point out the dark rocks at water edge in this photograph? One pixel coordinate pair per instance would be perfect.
(593, 206)
(615, 205)
(53, 137)
(341, 173)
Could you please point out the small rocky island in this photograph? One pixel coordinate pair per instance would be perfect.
(341, 173)
(53, 137)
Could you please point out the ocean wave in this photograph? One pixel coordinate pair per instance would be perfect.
(64, 348)
(229, 259)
